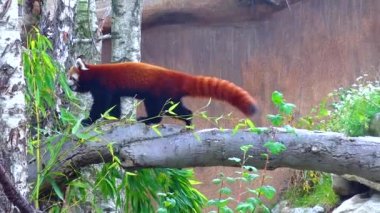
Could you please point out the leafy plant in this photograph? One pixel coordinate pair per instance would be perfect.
(244, 177)
(311, 188)
(249, 174)
(42, 80)
(353, 108)
(346, 110)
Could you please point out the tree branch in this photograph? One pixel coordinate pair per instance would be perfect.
(12, 194)
(139, 146)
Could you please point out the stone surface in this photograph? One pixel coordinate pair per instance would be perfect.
(360, 204)
(283, 207)
(370, 184)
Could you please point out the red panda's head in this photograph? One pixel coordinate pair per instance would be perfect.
(74, 74)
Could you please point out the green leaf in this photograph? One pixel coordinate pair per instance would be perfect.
(170, 202)
(224, 202)
(249, 177)
(267, 191)
(276, 120)
(287, 108)
(171, 108)
(160, 194)
(230, 179)
(237, 127)
(79, 184)
(156, 130)
(265, 209)
(246, 148)
(245, 207)
(289, 129)
(56, 188)
(162, 210)
(76, 127)
(274, 147)
(225, 190)
(217, 181)
(130, 173)
(226, 209)
(255, 201)
(253, 191)
(277, 98)
(250, 124)
(237, 160)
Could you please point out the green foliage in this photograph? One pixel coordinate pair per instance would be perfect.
(316, 190)
(248, 174)
(285, 110)
(244, 177)
(346, 110)
(42, 80)
(275, 148)
(354, 108)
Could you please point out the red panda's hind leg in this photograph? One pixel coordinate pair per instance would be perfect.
(153, 108)
(179, 112)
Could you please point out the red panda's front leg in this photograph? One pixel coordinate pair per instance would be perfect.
(101, 103)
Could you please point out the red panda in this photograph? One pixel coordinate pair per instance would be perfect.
(154, 85)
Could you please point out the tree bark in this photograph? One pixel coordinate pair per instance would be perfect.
(87, 32)
(12, 194)
(63, 22)
(126, 39)
(12, 103)
(139, 146)
(126, 30)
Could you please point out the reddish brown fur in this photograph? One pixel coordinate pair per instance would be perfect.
(160, 82)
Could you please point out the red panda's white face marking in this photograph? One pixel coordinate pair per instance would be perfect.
(73, 78)
(80, 65)
(73, 74)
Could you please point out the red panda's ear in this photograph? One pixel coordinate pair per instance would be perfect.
(80, 64)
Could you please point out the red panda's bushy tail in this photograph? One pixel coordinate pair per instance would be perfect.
(203, 86)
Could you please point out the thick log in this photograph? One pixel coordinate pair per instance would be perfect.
(139, 146)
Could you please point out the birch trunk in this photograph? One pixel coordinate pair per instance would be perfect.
(86, 32)
(126, 38)
(63, 30)
(12, 102)
(86, 40)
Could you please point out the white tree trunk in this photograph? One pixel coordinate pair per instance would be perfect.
(86, 40)
(12, 102)
(126, 38)
(126, 30)
(63, 30)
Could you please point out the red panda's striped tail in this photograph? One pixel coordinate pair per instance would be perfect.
(220, 89)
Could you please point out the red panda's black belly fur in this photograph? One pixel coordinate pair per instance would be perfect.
(157, 86)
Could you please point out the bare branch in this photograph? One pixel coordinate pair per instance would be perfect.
(12, 194)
